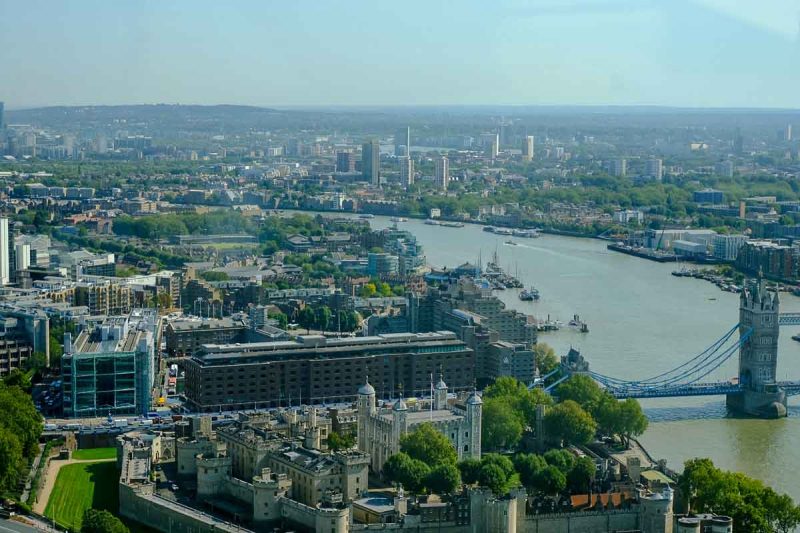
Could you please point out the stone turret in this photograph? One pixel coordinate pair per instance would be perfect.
(759, 313)
(440, 394)
(268, 489)
(655, 512)
(366, 408)
(474, 418)
(400, 419)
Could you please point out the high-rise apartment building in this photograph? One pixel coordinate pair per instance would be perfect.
(654, 168)
(345, 162)
(527, 148)
(2, 117)
(406, 171)
(5, 249)
(371, 162)
(23, 256)
(442, 172)
(491, 143)
(618, 167)
(402, 142)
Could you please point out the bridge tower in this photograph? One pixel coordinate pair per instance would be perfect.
(758, 357)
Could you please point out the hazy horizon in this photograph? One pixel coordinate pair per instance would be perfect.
(664, 53)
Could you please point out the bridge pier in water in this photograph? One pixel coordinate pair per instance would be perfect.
(759, 394)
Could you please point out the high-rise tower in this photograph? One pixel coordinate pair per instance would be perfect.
(406, 171)
(759, 312)
(371, 162)
(5, 253)
(402, 142)
(527, 148)
(442, 172)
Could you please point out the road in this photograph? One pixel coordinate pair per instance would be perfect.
(12, 526)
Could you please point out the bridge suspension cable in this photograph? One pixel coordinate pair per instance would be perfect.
(667, 376)
(688, 376)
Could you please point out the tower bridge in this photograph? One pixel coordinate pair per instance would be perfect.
(754, 392)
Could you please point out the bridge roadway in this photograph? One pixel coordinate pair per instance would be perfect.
(697, 389)
(789, 319)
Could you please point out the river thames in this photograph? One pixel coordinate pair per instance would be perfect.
(642, 321)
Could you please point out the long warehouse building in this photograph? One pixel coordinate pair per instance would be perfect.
(315, 370)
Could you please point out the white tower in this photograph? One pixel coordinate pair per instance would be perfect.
(474, 414)
(442, 172)
(5, 272)
(440, 394)
(366, 408)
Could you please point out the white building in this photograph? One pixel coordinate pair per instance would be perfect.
(406, 171)
(5, 246)
(662, 239)
(724, 169)
(442, 172)
(654, 168)
(628, 215)
(618, 167)
(23, 256)
(727, 247)
(379, 430)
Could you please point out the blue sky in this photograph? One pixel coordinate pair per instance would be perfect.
(718, 53)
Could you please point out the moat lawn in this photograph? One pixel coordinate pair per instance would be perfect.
(95, 454)
(81, 486)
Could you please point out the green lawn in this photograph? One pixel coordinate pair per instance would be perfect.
(95, 454)
(81, 486)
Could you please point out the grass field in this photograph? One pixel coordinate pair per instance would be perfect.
(81, 486)
(95, 454)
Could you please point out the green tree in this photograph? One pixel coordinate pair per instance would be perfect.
(501, 427)
(306, 318)
(214, 275)
(519, 401)
(36, 362)
(781, 512)
(470, 469)
(580, 477)
(492, 476)
(96, 521)
(428, 445)
(561, 459)
(18, 378)
(340, 441)
(753, 507)
(497, 473)
(545, 357)
(368, 290)
(444, 478)
(283, 320)
(11, 459)
(632, 420)
(411, 473)
(551, 481)
(323, 317)
(568, 423)
(581, 389)
(528, 465)
(385, 289)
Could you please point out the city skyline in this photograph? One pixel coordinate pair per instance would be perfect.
(695, 53)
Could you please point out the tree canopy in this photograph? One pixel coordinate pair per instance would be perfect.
(96, 521)
(509, 408)
(568, 423)
(754, 507)
(429, 446)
